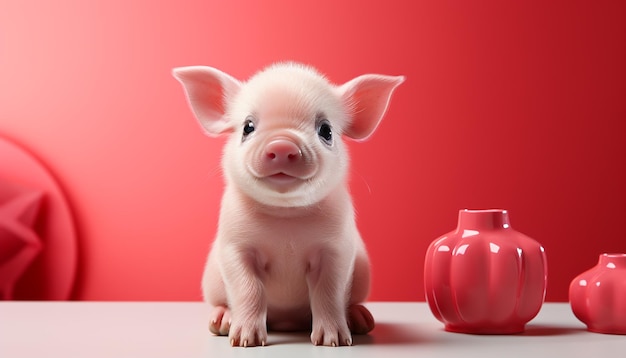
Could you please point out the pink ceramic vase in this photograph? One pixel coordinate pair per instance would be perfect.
(484, 277)
(598, 295)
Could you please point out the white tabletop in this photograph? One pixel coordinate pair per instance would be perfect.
(179, 329)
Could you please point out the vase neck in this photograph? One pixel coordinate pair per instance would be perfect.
(613, 260)
(483, 219)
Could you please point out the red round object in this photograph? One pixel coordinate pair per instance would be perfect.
(52, 274)
(484, 277)
(598, 295)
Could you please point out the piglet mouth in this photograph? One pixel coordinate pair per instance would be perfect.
(281, 177)
(282, 182)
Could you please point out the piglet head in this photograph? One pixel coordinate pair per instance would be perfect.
(286, 125)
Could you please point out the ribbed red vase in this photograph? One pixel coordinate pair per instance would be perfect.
(484, 277)
(598, 295)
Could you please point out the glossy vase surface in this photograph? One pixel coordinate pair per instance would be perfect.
(598, 295)
(484, 277)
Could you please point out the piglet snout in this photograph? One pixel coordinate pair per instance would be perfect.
(282, 151)
(282, 158)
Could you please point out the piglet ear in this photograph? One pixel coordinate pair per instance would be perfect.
(367, 97)
(207, 91)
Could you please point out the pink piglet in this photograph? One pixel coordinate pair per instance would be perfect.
(287, 254)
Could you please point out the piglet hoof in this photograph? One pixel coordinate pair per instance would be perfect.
(219, 323)
(360, 320)
(248, 334)
(331, 335)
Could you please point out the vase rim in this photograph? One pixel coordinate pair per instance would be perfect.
(484, 211)
(613, 255)
(483, 219)
(612, 260)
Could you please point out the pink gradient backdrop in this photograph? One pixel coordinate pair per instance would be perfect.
(516, 105)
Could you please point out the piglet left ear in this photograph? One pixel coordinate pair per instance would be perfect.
(367, 97)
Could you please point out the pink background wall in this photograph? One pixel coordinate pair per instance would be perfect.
(516, 105)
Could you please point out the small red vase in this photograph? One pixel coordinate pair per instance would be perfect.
(598, 295)
(484, 277)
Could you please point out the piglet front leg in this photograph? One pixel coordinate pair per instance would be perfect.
(246, 295)
(328, 290)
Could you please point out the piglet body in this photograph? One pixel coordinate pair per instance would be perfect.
(287, 254)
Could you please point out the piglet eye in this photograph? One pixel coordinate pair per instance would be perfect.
(248, 127)
(325, 132)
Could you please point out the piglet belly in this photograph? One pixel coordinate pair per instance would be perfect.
(287, 294)
(286, 287)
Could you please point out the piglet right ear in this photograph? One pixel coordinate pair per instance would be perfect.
(207, 91)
